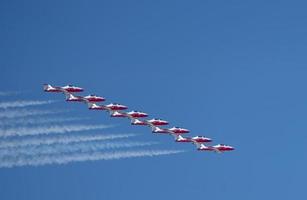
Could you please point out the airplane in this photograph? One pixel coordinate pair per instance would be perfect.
(219, 148)
(151, 122)
(93, 106)
(67, 88)
(178, 130)
(198, 139)
(157, 122)
(109, 107)
(174, 130)
(118, 114)
(136, 114)
(138, 122)
(115, 106)
(93, 98)
(88, 99)
(132, 114)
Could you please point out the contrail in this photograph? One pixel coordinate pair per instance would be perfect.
(79, 157)
(81, 147)
(31, 121)
(25, 113)
(45, 130)
(58, 139)
(23, 103)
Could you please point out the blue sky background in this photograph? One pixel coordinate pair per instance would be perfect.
(231, 70)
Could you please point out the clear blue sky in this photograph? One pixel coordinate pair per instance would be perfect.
(231, 70)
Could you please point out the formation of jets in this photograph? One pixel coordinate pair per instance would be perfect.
(136, 118)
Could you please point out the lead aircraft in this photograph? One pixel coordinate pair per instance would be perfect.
(67, 88)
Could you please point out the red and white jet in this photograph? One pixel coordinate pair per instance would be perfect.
(151, 122)
(110, 107)
(157, 122)
(219, 148)
(195, 139)
(174, 130)
(132, 114)
(93, 98)
(67, 88)
(115, 106)
(88, 99)
(117, 114)
(136, 114)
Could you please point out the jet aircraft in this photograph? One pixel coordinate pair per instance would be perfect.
(67, 88)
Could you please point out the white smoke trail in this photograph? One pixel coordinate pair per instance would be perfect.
(31, 121)
(45, 130)
(9, 114)
(58, 139)
(81, 147)
(23, 103)
(79, 157)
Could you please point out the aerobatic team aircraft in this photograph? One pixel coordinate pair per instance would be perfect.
(174, 130)
(117, 114)
(67, 88)
(151, 122)
(136, 114)
(110, 107)
(131, 115)
(198, 139)
(116, 110)
(157, 122)
(88, 99)
(219, 148)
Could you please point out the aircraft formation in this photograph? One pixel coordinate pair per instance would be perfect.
(137, 118)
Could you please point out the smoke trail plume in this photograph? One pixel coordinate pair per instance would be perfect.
(45, 130)
(81, 147)
(31, 121)
(9, 114)
(80, 157)
(23, 103)
(57, 139)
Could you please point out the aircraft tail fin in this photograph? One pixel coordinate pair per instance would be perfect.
(47, 86)
(175, 136)
(178, 136)
(199, 145)
(68, 95)
(90, 105)
(154, 128)
(134, 120)
(112, 112)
